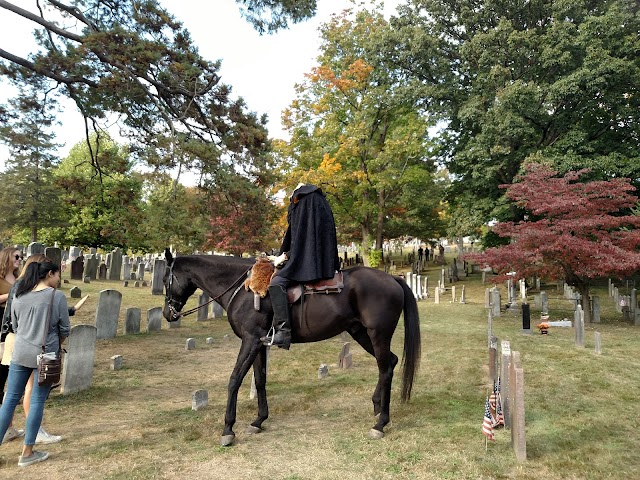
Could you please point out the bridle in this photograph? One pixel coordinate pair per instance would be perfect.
(171, 302)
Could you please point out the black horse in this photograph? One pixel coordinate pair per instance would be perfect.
(368, 308)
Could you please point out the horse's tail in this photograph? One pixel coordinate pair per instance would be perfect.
(411, 354)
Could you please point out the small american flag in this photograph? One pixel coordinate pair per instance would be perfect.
(487, 424)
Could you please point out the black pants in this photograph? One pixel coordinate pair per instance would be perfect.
(4, 373)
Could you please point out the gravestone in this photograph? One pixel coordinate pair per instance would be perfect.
(516, 380)
(544, 299)
(77, 268)
(453, 294)
(209, 341)
(598, 343)
(199, 400)
(102, 272)
(74, 252)
(91, 267)
(436, 297)
(107, 260)
(203, 311)
(495, 302)
(344, 359)
(86, 280)
(140, 272)
(132, 318)
(115, 267)
(175, 324)
(218, 311)
(54, 254)
(463, 298)
(159, 267)
(579, 326)
(323, 371)
(493, 358)
(75, 292)
(93, 251)
(154, 319)
(487, 298)
(526, 318)
(77, 369)
(595, 309)
(505, 361)
(33, 248)
(116, 362)
(107, 313)
(191, 344)
(126, 268)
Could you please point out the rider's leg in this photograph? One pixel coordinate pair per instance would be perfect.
(281, 314)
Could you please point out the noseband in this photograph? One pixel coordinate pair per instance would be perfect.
(170, 300)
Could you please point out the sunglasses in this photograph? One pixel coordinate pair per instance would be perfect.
(18, 257)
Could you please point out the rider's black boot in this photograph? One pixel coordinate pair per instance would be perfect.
(281, 318)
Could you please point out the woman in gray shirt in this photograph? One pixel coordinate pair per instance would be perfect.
(29, 312)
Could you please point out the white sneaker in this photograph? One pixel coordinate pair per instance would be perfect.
(43, 437)
(12, 434)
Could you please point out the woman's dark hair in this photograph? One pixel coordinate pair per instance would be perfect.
(33, 274)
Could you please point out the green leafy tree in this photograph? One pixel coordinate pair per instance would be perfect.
(133, 60)
(356, 131)
(28, 195)
(103, 209)
(173, 215)
(513, 80)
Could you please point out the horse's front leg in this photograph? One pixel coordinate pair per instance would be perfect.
(260, 376)
(248, 352)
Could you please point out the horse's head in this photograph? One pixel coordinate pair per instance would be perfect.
(177, 289)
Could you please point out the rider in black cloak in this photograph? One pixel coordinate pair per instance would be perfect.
(309, 253)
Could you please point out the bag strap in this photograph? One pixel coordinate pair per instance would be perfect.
(46, 327)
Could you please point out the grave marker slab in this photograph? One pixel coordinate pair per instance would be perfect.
(75, 292)
(77, 368)
(159, 266)
(154, 319)
(132, 318)
(107, 313)
(116, 362)
(199, 400)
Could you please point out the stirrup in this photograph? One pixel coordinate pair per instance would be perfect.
(271, 333)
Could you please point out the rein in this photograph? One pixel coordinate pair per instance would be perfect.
(178, 315)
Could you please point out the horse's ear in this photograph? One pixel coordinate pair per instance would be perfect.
(168, 256)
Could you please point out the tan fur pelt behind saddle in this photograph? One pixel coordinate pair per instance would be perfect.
(258, 281)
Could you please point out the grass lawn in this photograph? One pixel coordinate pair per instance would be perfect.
(582, 418)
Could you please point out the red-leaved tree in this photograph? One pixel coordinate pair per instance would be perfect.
(577, 230)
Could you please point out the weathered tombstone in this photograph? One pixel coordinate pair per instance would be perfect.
(75, 292)
(74, 252)
(323, 371)
(487, 298)
(159, 266)
(484, 277)
(526, 318)
(136, 284)
(518, 439)
(579, 327)
(77, 369)
(218, 311)
(125, 283)
(495, 302)
(132, 318)
(77, 268)
(595, 309)
(436, 297)
(144, 283)
(107, 313)
(453, 293)
(544, 299)
(598, 340)
(102, 272)
(505, 361)
(116, 362)
(115, 266)
(190, 344)
(33, 248)
(203, 308)
(175, 323)
(493, 359)
(126, 268)
(55, 254)
(199, 400)
(344, 359)
(140, 272)
(154, 319)
(537, 301)
(463, 298)
(490, 332)
(86, 280)
(209, 341)
(107, 260)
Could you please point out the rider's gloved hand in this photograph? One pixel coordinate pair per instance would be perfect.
(279, 260)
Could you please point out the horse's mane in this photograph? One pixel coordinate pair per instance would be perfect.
(218, 259)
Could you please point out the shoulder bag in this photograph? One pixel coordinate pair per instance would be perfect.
(49, 364)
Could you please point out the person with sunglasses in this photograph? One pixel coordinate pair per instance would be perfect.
(10, 260)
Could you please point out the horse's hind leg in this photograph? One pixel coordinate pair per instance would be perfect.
(361, 336)
(387, 361)
(248, 351)
(260, 376)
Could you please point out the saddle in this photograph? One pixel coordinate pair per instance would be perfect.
(262, 271)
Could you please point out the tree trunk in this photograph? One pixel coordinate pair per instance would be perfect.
(586, 303)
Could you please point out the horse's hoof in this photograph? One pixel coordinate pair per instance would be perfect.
(227, 440)
(375, 434)
(251, 429)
